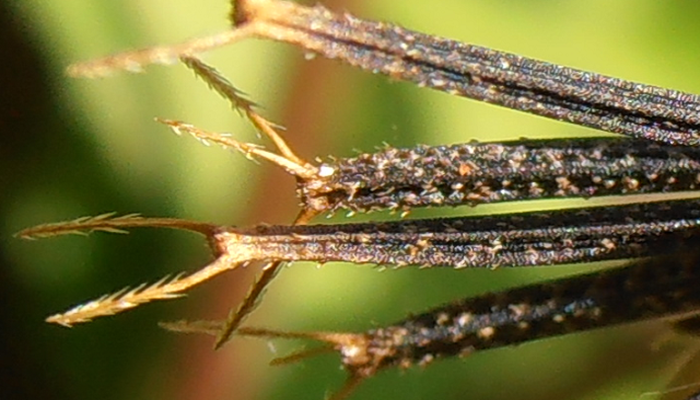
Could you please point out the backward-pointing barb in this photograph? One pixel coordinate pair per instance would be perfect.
(304, 171)
(135, 61)
(239, 103)
(125, 299)
(111, 222)
(122, 300)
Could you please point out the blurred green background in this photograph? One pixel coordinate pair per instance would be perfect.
(71, 148)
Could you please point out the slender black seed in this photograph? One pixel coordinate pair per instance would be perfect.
(660, 287)
(523, 239)
(541, 88)
(495, 172)
(475, 173)
(553, 91)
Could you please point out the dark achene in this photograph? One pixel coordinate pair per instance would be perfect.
(400, 179)
(561, 93)
(509, 240)
(462, 174)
